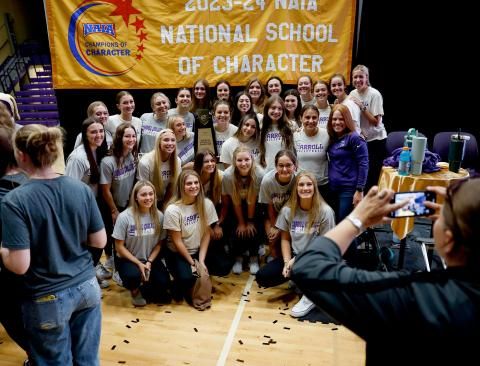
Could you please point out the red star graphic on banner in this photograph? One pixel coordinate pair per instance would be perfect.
(142, 36)
(138, 57)
(138, 23)
(140, 48)
(124, 9)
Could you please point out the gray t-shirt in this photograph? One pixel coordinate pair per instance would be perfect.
(312, 153)
(185, 149)
(184, 218)
(121, 179)
(78, 167)
(227, 182)
(297, 227)
(271, 191)
(138, 242)
(145, 171)
(151, 127)
(52, 218)
(188, 118)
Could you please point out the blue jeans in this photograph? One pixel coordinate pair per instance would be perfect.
(64, 327)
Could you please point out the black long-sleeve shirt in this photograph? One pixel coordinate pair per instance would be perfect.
(405, 318)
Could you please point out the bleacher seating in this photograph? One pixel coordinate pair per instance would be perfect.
(36, 101)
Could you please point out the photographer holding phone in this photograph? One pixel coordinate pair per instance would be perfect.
(434, 314)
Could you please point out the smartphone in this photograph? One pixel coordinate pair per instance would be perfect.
(147, 274)
(415, 206)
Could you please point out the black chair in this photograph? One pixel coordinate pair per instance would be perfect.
(441, 142)
(396, 139)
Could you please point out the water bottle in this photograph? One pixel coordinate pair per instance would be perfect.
(404, 162)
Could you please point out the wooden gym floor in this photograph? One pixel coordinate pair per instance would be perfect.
(245, 326)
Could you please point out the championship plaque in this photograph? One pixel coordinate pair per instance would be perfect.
(204, 132)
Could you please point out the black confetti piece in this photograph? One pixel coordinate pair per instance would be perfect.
(259, 292)
(265, 336)
(122, 361)
(266, 343)
(334, 328)
(113, 347)
(272, 341)
(240, 341)
(168, 311)
(282, 313)
(247, 300)
(275, 321)
(128, 326)
(126, 341)
(138, 320)
(249, 317)
(239, 360)
(195, 329)
(287, 328)
(286, 308)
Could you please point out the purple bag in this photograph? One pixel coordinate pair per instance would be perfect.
(429, 163)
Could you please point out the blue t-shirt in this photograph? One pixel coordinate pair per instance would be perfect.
(52, 218)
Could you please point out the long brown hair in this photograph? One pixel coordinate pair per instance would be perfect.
(215, 178)
(283, 127)
(116, 150)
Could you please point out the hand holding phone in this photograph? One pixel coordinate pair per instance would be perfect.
(416, 204)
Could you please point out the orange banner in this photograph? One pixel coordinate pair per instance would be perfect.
(133, 44)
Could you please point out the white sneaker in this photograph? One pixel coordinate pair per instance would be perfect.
(237, 267)
(261, 250)
(254, 267)
(101, 272)
(109, 264)
(116, 278)
(302, 308)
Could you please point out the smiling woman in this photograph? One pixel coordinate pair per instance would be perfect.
(187, 219)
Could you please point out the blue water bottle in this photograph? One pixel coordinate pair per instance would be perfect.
(404, 162)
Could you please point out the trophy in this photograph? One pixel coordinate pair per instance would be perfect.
(204, 132)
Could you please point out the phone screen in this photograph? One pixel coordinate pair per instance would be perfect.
(415, 205)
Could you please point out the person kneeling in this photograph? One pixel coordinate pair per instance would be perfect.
(138, 235)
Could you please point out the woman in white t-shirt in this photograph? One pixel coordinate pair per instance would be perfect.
(304, 216)
(161, 166)
(320, 90)
(305, 88)
(370, 102)
(276, 133)
(293, 106)
(187, 219)
(248, 134)
(338, 88)
(138, 238)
